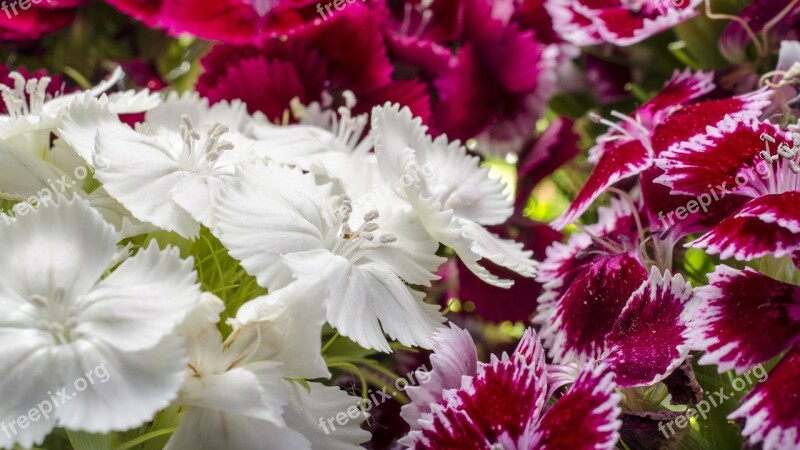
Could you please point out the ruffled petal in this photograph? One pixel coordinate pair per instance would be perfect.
(622, 160)
(454, 356)
(578, 322)
(745, 318)
(141, 383)
(770, 409)
(64, 247)
(648, 340)
(714, 160)
(142, 301)
(767, 225)
(586, 417)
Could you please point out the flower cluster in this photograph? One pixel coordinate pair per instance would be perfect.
(235, 224)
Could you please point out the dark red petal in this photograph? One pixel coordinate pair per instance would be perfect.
(682, 88)
(557, 145)
(450, 429)
(770, 409)
(714, 159)
(578, 322)
(767, 225)
(145, 10)
(692, 120)
(648, 342)
(506, 397)
(33, 23)
(585, 418)
(622, 160)
(745, 318)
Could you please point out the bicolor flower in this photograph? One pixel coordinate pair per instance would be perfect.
(631, 147)
(600, 304)
(61, 318)
(750, 160)
(619, 22)
(747, 318)
(281, 225)
(504, 403)
(455, 200)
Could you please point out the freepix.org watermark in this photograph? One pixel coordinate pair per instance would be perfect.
(10, 8)
(373, 399)
(56, 399)
(712, 401)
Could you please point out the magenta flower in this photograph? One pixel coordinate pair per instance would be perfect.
(39, 19)
(620, 22)
(469, 404)
(496, 87)
(600, 304)
(345, 53)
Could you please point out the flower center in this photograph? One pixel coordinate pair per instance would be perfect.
(354, 244)
(55, 316)
(26, 97)
(202, 158)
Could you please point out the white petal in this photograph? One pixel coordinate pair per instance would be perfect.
(503, 252)
(208, 429)
(240, 391)
(168, 114)
(395, 131)
(23, 175)
(143, 300)
(291, 320)
(308, 409)
(361, 295)
(79, 127)
(27, 377)
(136, 384)
(138, 171)
(271, 211)
(67, 246)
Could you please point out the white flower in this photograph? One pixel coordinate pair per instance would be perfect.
(29, 109)
(236, 390)
(281, 226)
(453, 196)
(330, 146)
(59, 319)
(170, 169)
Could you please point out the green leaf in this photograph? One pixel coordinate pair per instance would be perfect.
(81, 440)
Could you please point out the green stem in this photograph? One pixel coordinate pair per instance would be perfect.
(144, 438)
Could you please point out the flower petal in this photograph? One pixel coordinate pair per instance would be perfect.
(454, 355)
(622, 160)
(648, 340)
(767, 225)
(67, 247)
(770, 409)
(585, 418)
(141, 383)
(142, 301)
(578, 322)
(746, 318)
